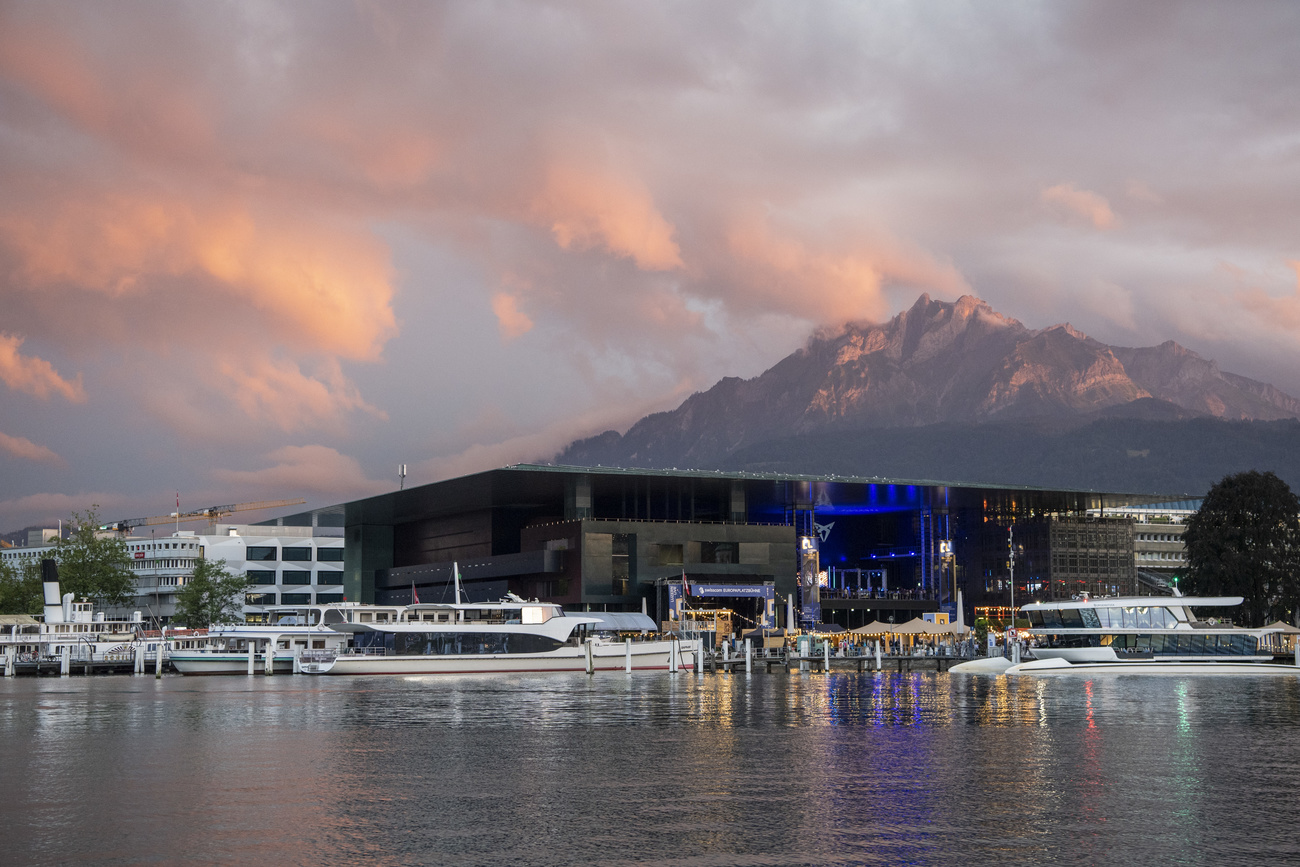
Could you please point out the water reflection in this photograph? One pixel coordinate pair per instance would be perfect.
(648, 768)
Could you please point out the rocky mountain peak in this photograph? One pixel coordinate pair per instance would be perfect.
(957, 362)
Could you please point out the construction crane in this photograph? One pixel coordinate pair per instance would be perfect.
(212, 514)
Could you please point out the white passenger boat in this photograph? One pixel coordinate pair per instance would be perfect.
(70, 628)
(1141, 635)
(512, 635)
(289, 631)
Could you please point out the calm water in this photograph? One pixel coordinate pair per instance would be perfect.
(649, 769)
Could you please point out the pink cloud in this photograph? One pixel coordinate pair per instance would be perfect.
(34, 375)
(27, 450)
(278, 391)
(513, 321)
(594, 209)
(1275, 313)
(305, 469)
(1081, 203)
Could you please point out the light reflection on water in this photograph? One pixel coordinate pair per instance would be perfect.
(648, 769)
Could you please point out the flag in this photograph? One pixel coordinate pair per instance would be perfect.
(415, 597)
(686, 585)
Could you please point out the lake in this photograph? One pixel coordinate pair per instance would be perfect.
(645, 768)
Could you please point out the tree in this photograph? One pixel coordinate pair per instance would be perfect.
(94, 565)
(211, 595)
(20, 589)
(1245, 541)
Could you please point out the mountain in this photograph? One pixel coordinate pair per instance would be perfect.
(936, 368)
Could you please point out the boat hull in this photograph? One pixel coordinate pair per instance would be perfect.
(650, 656)
(1149, 667)
(226, 663)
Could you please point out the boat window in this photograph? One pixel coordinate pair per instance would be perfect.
(1129, 618)
(1090, 619)
(1071, 618)
(1035, 619)
(1104, 617)
(1051, 618)
(1144, 618)
(535, 613)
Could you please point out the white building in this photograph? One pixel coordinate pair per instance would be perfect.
(1158, 550)
(288, 566)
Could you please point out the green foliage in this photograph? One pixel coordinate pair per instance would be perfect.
(92, 565)
(211, 595)
(1245, 541)
(20, 589)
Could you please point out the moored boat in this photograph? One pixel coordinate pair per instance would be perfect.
(289, 632)
(511, 635)
(1141, 635)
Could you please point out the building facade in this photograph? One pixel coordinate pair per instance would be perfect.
(812, 550)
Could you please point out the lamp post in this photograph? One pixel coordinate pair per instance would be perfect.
(1011, 564)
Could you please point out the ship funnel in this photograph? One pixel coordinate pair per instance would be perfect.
(50, 584)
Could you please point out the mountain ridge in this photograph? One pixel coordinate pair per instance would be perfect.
(938, 363)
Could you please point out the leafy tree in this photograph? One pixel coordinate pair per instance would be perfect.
(20, 589)
(1245, 541)
(211, 595)
(93, 565)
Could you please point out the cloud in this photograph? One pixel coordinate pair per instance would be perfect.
(827, 281)
(278, 390)
(513, 321)
(309, 469)
(34, 375)
(586, 209)
(1081, 203)
(1273, 313)
(27, 450)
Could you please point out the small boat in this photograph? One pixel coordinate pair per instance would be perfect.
(1141, 635)
(289, 631)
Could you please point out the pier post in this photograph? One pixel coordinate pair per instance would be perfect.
(699, 659)
(10, 667)
(877, 656)
(826, 650)
(749, 657)
(627, 654)
(590, 650)
(297, 660)
(158, 657)
(268, 657)
(1015, 653)
(252, 654)
(726, 656)
(138, 662)
(672, 656)
(65, 660)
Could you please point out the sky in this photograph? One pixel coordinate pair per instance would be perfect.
(273, 250)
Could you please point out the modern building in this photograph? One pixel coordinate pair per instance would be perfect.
(1159, 555)
(771, 548)
(289, 565)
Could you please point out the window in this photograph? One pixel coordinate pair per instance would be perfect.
(296, 555)
(329, 555)
(259, 598)
(295, 598)
(295, 577)
(669, 554)
(329, 598)
(261, 552)
(261, 576)
(719, 552)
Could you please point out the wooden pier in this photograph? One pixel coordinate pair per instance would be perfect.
(901, 663)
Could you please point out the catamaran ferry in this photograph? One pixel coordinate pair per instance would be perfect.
(512, 635)
(1141, 635)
